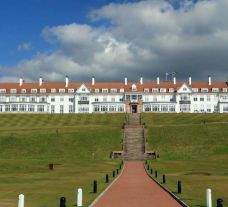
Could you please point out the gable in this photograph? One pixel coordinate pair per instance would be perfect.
(184, 89)
(83, 89)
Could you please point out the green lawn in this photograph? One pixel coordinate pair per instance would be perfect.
(80, 145)
(194, 149)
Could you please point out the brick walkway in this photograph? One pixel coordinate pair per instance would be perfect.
(135, 189)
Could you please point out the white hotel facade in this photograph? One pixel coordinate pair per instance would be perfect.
(114, 97)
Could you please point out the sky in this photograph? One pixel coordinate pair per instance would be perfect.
(113, 39)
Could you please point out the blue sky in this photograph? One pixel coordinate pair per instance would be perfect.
(36, 34)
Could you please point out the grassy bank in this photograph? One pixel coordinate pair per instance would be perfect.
(193, 148)
(79, 145)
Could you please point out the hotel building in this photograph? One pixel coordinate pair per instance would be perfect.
(114, 97)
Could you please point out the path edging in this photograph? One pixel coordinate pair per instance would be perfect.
(106, 189)
(168, 191)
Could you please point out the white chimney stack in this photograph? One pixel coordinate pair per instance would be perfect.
(158, 80)
(190, 80)
(93, 81)
(125, 81)
(40, 81)
(209, 80)
(141, 80)
(66, 81)
(174, 80)
(20, 82)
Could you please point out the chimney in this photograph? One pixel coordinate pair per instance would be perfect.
(66, 81)
(190, 80)
(174, 80)
(93, 81)
(158, 80)
(40, 81)
(20, 81)
(209, 80)
(125, 81)
(141, 80)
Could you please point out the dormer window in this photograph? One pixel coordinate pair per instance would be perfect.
(23, 90)
(2, 90)
(195, 90)
(154, 90)
(97, 90)
(215, 90)
(62, 90)
(204, 89)
(184, 89)
(146, 90)
(163, 90)
(224, 90)
(171, 90)
(104, 90)
(133, 87)
(43, 90)
(33, 90)
(13, 90)
(70, 90)
(53, 90)
(113, 90)
(122, 90)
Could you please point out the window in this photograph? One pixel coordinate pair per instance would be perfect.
(70, 90)
(83, 109)
(201, 98)
(71, 108)
(155, 108)
(2, 99)
(155, 98)
(113, 90)
(121, 99)
(147, 107)
(104, 90)
(52, 109)
(52, 99)
(184, 89)
(1, 108)
(32, 99)
(163, 90)
(133, 87)
(104, 99)
(61, 108)
(120, 108)
(185, 107)
(215, 89)
(83, 89)
(22, 99)
(31, 108)
(23, 90)
(7, 107)
(40, 108)
(113, 99)
(13, 98)
(204, 89)
(195, 90)
(33, 90)
(62, 90)
(84, 97)
(104, 108)
(96, 99)
(171, 90)
(61, 99)
(2, 90)
(96, 108)
(53, 90)
(43, 90)
(195, 98)
(13, 90)
(97, 90)
(164, 108)
(112, 108)
(122, 90)
(146, 90)
(225, 108)
(22, 107)
(171, 107)
(14, 107)
(154, 90)
(224, 90)
(71, 99)
(208, 98)
(42, 99)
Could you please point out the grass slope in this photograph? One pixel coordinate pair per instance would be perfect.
(79, 144)
(194, 149)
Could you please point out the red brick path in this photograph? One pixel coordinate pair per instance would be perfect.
(134, 188)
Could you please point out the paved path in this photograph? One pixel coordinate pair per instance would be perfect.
(134, 188)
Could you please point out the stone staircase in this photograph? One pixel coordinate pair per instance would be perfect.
(134, 141)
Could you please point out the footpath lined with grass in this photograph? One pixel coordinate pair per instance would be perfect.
(193, 148)
(79, 145)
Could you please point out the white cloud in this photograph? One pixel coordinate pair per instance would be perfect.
(25, 46)
(147, 37)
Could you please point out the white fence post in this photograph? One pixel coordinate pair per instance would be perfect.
(21, 200)
(79, 198)
(209, 199)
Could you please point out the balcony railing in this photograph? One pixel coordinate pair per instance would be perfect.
(83, 102)
(185, 102)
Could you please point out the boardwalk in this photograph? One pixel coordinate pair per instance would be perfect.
(135, 189)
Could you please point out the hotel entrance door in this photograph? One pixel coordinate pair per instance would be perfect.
(134, 108)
